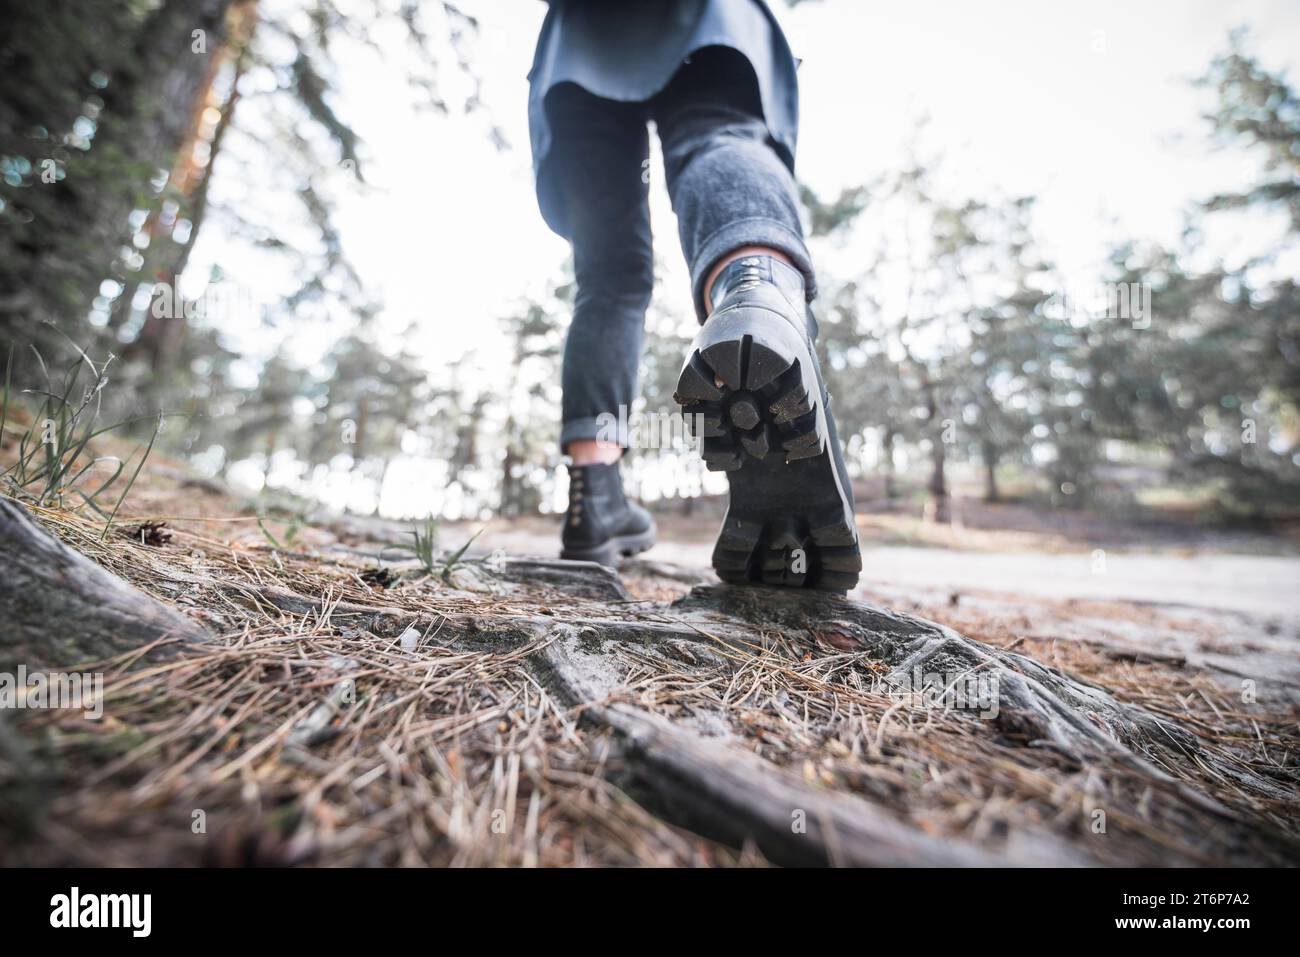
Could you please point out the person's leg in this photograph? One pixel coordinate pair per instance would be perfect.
(752, 374)
(732, 193)
(599, 146)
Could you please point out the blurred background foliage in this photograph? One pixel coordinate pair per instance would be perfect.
(114, 116)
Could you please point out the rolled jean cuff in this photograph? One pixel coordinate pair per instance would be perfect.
(758, 231)
(577, 430)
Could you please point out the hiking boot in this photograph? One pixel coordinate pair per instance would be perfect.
(601, 524)
(753, 380)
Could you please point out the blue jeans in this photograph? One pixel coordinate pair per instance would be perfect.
(729, 188)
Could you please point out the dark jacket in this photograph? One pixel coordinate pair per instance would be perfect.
(629, 50)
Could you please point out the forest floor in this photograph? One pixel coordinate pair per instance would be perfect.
(496, 710)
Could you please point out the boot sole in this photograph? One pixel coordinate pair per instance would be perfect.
(620, 546)
(790, 520)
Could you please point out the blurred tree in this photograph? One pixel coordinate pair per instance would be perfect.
(949, 267)
(1017, 359)
(1257, 110)
(368, 398)
(97, 102)
(271, 412)
(870, 398)
(1213, 380)
(117, 122)
(468, 418)
(172, 226)
(939, 340)
(530, 399)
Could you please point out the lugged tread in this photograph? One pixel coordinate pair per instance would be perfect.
(759, 444)
(744, 413)
(727, 360)
(791, 405)
(802, 446)
(763, 366)
(778, 417)
(696, 383)
(720, 455)
(712, 426)
(769, 555)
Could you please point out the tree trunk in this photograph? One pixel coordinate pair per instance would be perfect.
(508, 504)
(936, 506)
(383, 477)
(141, 105)
(990, 457)
(161, 338)
(887, 458)
(272, 439)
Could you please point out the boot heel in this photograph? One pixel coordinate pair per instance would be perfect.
(755, 385)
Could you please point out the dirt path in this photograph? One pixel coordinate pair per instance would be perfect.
(1259, 586)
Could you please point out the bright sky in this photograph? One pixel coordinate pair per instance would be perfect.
(1087, 105)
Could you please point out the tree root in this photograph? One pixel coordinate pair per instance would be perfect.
(59, 608)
